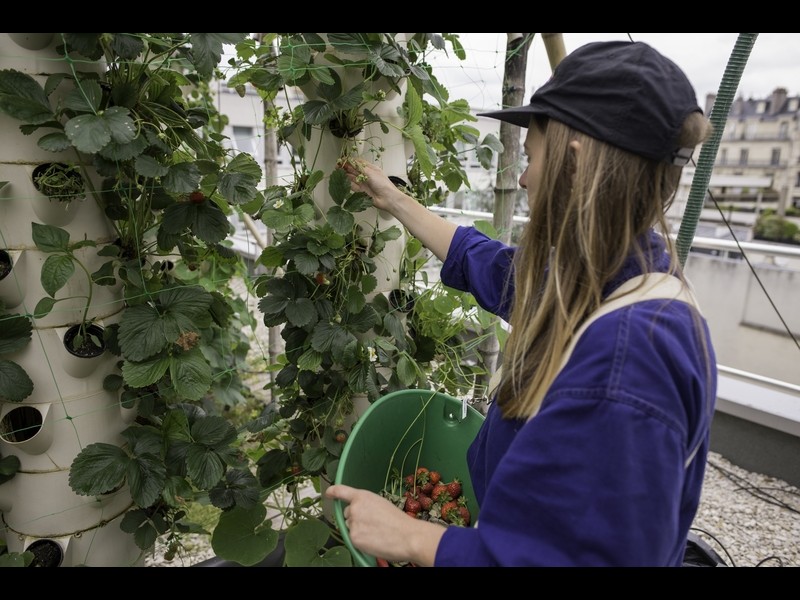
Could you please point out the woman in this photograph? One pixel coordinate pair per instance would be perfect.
(593, 454)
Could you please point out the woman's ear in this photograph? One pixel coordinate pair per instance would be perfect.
(575, 145)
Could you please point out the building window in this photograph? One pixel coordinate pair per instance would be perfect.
(723, 156)
(761, 107)
(743, 156)
(783, 133)
(793, 104)
(797, 181)
(775, 159)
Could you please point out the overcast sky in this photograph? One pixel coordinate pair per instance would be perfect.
(773, 62)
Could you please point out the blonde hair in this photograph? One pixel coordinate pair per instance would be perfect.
(591, 211)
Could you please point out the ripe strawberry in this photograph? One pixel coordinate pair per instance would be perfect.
(426, 488)
(408, 482)
(425, 501)
(464, 515)
(449, 510)
(340, 436)
(197, 197)
(382, 562)
(454, 489)
(422, 475)
(412, 505)
(440, 493)
(321, 279)
(434, 477)
(413, 515)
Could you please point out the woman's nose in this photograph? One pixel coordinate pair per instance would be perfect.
(523, 179)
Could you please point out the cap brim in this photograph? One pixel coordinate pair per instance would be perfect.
(516, 115)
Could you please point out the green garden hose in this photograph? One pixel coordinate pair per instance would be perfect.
(708, 152)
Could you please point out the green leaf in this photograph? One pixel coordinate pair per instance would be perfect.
(364, 320)
(143, 374)
(305, 542)
(406, 371)
(43, 307)
(243, 536)
(178, 217)
(210, 223)
(98, 469)
(317, 112)
(185, 304)
(277, 220)
(238, 188)
(147, 166)
(246, 165)
(54, 142)
(355, 300)
(105, 274)
(85, 97)
(339, 186)
(414, 133)
(190, 374)
(368, 283)
(357, 202)
(341, 220)
(314, 179)
(301, 312)
(22, 98)
(203, 466)
(141, 332)
(207, 49)
(56, 271)
(183, 178)
(212, 431)
(394, 326)
(271, 257)
(310, 360)
(88, 133)
(239, 488)
(147, 477)
(313, 459)
(413, 107)
(324, 335)
(306, 263)
(15, 333)
(323, 75)
(49, 238)
(15, 385)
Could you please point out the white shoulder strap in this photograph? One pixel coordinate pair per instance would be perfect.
(652, 286)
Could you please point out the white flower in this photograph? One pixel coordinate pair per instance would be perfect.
(373, 355)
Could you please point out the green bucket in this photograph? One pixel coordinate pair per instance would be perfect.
(400, 431)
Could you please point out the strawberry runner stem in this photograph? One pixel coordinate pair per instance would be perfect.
(408, 429)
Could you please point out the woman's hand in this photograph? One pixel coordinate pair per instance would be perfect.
(370, 179)
(379, 528)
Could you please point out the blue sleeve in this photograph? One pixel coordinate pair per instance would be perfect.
(480, 265)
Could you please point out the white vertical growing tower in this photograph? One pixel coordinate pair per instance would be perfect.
(68, 408)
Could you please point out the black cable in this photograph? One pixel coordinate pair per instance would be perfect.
(752, 269)
(754, 490)
(778, 558)
(720, 544)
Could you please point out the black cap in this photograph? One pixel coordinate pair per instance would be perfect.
(626, 94)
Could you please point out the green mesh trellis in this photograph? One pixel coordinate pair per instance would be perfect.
(708, 153)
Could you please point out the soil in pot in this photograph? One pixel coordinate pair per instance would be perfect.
(59, 181)
(5, 264)
(86, 342)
